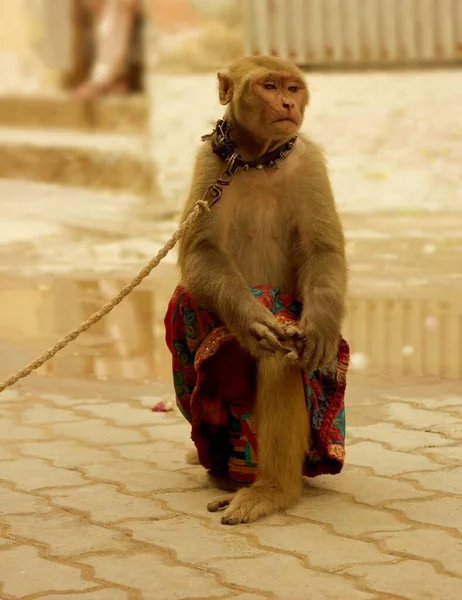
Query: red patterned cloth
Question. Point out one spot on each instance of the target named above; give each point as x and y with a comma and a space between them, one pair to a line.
224, 434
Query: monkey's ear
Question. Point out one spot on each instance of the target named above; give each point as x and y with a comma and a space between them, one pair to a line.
225, 88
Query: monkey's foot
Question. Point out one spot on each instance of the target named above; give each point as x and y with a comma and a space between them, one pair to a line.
250, 504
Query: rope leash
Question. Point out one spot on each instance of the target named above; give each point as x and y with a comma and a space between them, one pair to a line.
200, 206
221, 146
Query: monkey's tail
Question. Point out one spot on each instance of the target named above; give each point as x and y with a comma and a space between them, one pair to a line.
282, 424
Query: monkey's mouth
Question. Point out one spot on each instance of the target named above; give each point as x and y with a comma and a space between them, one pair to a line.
286, 120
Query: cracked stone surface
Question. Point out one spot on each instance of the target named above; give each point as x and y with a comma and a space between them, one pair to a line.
103, 518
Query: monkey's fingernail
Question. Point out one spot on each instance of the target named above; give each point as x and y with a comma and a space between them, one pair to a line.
291, 331
271, 343
266, 346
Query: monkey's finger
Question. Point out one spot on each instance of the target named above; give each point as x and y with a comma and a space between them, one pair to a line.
266, 345
278, 329
330, 352
291, 330
289, 346
309, 358
219, 503
299, 345
293, 358
263, 333
272, 341
318, 356
323, 355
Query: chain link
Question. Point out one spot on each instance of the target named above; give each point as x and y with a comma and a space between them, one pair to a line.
215, 191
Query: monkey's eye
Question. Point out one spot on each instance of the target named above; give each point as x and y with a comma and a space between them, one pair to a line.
293, 88
269, 86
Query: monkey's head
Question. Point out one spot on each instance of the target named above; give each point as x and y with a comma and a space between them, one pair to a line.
266, 96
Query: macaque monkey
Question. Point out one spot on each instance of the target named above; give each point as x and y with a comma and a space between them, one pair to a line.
277, 227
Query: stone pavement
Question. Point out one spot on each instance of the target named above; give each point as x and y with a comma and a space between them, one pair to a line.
97, 503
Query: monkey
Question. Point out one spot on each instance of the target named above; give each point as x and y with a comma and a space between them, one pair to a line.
275, 227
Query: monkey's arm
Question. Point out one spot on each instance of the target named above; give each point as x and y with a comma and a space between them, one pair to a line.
322, 277
211, 276
206, 270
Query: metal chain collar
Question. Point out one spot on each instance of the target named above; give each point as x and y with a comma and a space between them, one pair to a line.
224, 148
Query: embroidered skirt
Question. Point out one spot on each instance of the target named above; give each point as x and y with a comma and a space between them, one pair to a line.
224, 434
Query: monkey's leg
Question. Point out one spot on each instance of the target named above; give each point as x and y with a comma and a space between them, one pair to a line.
282, 432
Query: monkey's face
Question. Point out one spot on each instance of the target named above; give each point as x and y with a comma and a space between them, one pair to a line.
279, 101
272, 105
267, 97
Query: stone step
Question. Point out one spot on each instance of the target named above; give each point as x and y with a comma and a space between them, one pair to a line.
33, 206
60, 111
66, 157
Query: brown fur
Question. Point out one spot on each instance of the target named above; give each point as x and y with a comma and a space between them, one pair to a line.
275, 227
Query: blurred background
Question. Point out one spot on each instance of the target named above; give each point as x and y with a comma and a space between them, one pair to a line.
102, 103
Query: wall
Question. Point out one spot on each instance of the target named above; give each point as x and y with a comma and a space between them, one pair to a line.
22, 35
193, 35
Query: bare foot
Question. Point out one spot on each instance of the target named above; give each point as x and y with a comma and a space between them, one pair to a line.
91, 90
118, 87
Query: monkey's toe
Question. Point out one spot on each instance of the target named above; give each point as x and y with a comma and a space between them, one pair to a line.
230, 520
220, 502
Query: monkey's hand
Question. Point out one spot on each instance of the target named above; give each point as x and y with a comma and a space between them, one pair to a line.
262, 334
315, 346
